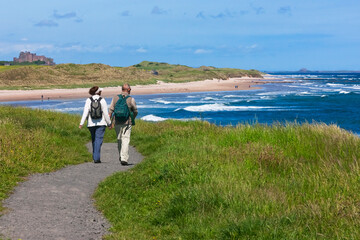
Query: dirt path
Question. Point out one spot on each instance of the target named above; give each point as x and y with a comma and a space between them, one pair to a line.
59, 205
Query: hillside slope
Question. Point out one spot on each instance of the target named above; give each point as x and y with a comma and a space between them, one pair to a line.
77, 75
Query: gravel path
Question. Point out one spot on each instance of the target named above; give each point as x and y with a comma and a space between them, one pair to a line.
59, 205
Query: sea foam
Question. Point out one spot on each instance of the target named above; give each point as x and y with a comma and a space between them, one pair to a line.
153, 118
221, 107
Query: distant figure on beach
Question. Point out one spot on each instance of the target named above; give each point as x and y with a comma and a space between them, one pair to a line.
123, 112
42, 98
96, 114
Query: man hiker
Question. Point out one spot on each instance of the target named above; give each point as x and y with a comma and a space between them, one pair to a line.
123, 111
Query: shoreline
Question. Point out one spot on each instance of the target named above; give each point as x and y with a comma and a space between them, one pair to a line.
214, 85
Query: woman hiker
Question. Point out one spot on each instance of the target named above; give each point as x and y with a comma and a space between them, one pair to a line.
96, 113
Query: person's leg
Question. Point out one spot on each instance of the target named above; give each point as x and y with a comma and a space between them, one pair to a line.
118, 130
125, 140
92, 132
99, 137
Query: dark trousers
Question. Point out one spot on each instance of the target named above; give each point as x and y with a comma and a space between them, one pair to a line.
97, 137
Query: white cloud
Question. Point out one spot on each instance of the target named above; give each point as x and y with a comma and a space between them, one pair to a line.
141, 50
249, 48
46, 23
18, 47
252, 46
158, 11
24, 39
202, 51
8, 48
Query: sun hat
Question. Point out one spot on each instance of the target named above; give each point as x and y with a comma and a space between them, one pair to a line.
98, 91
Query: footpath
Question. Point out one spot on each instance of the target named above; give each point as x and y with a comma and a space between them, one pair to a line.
59, 205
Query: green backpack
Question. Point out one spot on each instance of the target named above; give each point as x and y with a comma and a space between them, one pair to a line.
122, 111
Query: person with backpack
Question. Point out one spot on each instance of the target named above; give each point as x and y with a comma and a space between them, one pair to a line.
96, 114
123, 111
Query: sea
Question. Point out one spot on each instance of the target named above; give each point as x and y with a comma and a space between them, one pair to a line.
331, 98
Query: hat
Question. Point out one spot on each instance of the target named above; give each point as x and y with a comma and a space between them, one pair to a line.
98, 91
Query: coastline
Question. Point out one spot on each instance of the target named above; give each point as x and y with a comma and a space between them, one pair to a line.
231, 84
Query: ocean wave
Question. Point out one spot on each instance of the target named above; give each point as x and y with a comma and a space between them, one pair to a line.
276, 93
221, 107
174, 102
153, 118
303, 93
355, 87
151, 106
160, 101
232, 96
335, 84
209, 98
344, 92
78, 109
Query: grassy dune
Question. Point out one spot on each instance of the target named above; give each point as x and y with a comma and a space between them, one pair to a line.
34, 141
200, 181
77, 75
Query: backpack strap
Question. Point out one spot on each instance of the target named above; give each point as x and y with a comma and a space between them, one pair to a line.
93, 100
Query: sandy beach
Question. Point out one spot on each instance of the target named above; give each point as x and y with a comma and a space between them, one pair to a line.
232, 84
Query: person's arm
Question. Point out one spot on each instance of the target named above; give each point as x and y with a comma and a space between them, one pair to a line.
112, 105
85, 112
104, 108
134, 107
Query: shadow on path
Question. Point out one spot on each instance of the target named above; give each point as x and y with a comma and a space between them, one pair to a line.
59, 205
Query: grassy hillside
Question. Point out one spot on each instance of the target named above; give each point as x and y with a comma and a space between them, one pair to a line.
77, 75
34, 141
200, 181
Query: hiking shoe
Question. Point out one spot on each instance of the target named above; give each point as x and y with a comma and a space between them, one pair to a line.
124, 163
98, 161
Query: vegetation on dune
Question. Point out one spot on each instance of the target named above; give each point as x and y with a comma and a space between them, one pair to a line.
35, 141
77, 75
201, 181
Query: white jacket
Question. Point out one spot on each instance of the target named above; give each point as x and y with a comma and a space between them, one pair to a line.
104, 121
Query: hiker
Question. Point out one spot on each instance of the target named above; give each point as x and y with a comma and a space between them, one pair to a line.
123, 111
96, 113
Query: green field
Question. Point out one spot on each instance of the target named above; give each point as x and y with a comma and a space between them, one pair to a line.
200, 181
87, 75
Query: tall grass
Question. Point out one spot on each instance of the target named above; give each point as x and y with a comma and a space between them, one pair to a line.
200, 181
35, 141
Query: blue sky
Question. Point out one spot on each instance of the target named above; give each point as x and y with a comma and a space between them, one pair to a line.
248, 34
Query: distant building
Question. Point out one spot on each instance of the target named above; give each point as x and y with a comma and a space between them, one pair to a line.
32, 57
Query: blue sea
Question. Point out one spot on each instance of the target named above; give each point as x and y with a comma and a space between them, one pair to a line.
332, 98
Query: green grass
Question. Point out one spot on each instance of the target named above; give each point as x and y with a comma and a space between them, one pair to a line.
200, 181
34, 141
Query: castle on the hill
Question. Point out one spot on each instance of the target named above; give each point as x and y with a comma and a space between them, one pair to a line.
32, 57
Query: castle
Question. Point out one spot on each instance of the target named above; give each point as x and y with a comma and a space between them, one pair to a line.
32, 57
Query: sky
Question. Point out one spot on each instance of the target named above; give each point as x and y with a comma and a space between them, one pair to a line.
266, 35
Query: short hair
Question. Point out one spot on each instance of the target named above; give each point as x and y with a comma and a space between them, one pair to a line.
125, 86
93, 90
